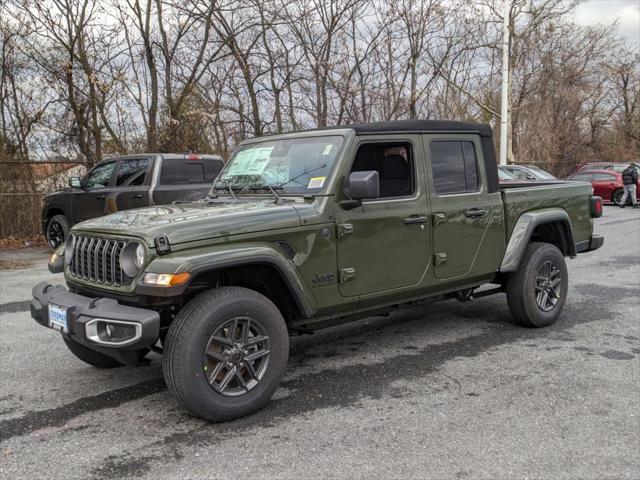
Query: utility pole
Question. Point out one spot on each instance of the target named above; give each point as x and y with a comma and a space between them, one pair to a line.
504, 108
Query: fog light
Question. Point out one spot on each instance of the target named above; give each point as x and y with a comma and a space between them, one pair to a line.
113, 332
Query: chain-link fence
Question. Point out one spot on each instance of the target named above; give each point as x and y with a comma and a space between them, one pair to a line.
23, 185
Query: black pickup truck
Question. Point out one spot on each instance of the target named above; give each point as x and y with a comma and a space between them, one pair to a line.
126, 182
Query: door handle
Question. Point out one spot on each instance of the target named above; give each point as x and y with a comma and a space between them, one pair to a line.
475, 213
138, 195
415, 219
101, 197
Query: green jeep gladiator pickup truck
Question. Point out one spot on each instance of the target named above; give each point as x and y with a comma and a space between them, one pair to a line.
305, 230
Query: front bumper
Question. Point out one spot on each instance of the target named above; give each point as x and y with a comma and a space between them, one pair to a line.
594, 243
83, 313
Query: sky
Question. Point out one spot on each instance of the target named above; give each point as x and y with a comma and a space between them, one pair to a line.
627, 12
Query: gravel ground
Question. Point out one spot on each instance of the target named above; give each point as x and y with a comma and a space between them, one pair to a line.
448, 390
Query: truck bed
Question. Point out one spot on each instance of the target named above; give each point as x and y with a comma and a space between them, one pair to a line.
571, 196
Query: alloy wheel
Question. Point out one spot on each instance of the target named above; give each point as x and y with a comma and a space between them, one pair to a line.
55, 234
548, 286
237, 356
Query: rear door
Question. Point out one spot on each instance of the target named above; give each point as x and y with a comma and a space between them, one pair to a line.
131, 189
461, 205
187, 178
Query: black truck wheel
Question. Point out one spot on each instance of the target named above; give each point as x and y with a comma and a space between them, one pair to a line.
225, 353
57, 231
537, 291
90, 356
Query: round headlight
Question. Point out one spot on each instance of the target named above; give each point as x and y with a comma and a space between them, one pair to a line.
139, 258
68, 249
132, 258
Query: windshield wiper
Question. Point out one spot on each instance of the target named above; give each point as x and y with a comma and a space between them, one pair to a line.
226, 186
306, 172
271, 188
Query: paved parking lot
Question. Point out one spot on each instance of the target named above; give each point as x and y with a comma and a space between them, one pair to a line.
450, 390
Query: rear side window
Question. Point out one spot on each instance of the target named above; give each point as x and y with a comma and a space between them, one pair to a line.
212, 168
604, 177
132, 172
454, 167
180, 171
582, 177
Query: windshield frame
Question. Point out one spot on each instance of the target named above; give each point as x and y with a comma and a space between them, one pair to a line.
219, 188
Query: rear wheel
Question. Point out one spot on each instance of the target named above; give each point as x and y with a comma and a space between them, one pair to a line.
537, 291
616, 196
57, 231
225, 353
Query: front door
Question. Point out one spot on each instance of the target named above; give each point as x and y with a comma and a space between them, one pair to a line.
461, 206
98, 186
384, 244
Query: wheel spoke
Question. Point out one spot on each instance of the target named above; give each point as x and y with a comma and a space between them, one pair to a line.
222, 341
241, 380
214, 374
251, 370
216, 356
545, 298
256, 355
257, 339
246, 325
227, 378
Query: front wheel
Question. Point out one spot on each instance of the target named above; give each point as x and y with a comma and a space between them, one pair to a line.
57, 231
537, 291
225, 353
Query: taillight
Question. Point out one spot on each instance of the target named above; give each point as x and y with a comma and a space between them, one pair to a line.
193, 156
596, 207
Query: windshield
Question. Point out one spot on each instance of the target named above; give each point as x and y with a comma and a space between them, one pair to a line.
504, 175
297, 165
542, 173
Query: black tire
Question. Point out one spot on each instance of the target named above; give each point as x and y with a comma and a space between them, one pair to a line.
616, 196
89, 356
57, 231
190, 336
526, 287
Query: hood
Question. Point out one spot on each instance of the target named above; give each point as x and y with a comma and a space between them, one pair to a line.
196, 221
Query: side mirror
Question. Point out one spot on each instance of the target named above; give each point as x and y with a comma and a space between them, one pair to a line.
75, 182
361, 186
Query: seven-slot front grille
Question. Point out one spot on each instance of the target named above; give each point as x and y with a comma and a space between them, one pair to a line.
98, 260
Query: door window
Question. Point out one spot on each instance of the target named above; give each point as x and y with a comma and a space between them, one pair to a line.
132, 172
582, 177
394, 164
454, 167
604, 177
100, 176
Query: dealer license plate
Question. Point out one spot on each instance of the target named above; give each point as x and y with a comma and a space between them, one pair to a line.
58, 318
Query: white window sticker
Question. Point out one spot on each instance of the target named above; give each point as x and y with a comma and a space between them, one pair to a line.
316, 182
250, 162
327, 149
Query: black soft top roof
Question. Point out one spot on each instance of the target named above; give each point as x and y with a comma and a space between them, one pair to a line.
421, 126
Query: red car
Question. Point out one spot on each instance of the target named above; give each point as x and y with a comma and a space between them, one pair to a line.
606, 184
615, 166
